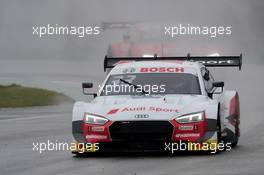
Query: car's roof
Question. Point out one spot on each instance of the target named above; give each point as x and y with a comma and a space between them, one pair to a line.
156, 64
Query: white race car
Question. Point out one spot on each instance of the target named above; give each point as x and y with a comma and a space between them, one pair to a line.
152, 102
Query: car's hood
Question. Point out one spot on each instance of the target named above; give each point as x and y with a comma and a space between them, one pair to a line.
165, 107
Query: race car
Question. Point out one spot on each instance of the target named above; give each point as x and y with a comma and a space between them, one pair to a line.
139, 39
149, 102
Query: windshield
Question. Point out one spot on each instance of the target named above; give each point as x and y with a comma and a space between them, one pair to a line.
151, 83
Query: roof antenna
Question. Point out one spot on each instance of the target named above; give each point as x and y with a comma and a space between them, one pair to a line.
155, 56
188, 56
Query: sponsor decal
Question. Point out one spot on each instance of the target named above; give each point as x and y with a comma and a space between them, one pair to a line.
162, 69
157, 109
122, 62
97, 129
217, 62
96, 136
143, 108
186, 127
112, 111
128, 109
188, 135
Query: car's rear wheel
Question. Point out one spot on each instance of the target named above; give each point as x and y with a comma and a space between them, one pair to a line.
237, 120
234, 144
219, 129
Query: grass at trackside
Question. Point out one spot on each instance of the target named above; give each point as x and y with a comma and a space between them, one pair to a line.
19, 96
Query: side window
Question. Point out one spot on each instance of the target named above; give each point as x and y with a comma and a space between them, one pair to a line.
208, 79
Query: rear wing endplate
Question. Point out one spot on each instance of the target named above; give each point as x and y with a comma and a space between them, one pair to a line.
208, 61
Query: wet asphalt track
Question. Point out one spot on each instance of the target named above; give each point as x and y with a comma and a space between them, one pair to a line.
19, 128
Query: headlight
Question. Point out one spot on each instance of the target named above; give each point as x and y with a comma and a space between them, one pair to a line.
190, 118
94, 119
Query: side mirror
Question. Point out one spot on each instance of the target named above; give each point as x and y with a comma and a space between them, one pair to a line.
218, 87
86, 86
219, 84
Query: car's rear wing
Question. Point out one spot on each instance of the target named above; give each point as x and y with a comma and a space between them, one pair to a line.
208, 61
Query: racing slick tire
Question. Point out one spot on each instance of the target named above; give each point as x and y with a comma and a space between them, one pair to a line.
234, 144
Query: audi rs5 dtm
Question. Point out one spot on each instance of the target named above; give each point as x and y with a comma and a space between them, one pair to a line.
181, 104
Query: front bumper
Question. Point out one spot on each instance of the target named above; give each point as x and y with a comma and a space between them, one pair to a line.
147, 135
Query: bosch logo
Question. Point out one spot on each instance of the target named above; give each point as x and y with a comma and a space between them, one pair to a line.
142, 116
162, 69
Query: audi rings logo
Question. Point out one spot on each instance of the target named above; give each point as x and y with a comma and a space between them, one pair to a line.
142, 116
